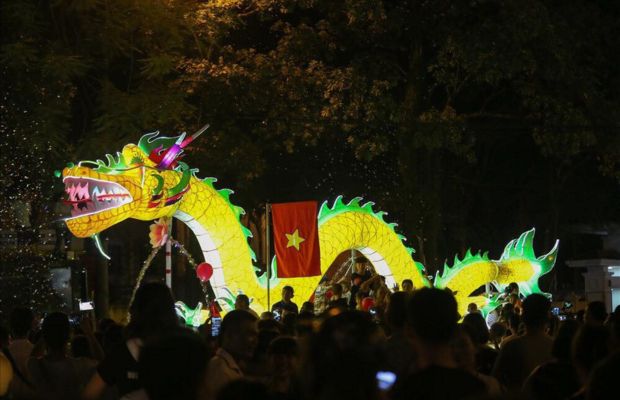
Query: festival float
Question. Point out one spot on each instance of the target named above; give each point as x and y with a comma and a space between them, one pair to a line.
148, 181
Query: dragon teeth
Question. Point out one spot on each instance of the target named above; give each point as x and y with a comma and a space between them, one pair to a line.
88, 196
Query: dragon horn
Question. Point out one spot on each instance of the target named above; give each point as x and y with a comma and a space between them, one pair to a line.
190, 139
175, 150
547, 261
525, 243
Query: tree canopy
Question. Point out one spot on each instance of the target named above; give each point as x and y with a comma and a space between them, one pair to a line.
468, 120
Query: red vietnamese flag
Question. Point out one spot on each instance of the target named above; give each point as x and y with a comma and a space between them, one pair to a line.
296, 239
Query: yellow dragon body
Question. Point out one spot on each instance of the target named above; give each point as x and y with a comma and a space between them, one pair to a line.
147, 181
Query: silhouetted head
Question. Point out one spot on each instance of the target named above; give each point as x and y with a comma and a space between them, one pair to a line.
283, 355
242, 302
262, 344
433, 315
112, 336
477, 328
562, 343
266, 316
270, 325
239, 334
287, 293
463, 349
535, 311
337, 290
407, 285
596, 313
361, 265
307, 308
513, 288
396, 315
152, 311
56, 331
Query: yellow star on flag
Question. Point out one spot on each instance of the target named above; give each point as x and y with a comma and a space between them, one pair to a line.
294, 240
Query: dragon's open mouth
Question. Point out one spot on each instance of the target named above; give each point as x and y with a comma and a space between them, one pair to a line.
89, 196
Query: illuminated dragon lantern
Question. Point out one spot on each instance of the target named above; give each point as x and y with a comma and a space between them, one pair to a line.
148, 181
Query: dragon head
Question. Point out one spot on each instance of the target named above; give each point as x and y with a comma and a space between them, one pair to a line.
144, 181
520, 264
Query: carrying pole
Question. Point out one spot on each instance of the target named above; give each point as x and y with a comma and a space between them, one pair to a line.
267, 253
168, 264
169, 256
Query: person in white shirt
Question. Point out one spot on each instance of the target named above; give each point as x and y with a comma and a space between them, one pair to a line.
18, 352
56, 375
238, 339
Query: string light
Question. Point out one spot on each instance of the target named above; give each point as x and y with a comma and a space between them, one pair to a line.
149, 260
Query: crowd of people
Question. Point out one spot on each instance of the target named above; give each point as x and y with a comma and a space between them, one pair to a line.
357, 340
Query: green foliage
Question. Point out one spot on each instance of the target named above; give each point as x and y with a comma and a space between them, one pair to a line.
431, 91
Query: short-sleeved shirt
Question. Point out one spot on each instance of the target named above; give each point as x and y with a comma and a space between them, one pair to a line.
60, 379
221, 370
290, 307
520, 356
20, 350
120, 367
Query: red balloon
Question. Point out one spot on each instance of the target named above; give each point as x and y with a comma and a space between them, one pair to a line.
367, 303
204, 271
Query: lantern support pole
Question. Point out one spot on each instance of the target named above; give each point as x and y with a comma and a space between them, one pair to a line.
267, 252
168, 264
169, 256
